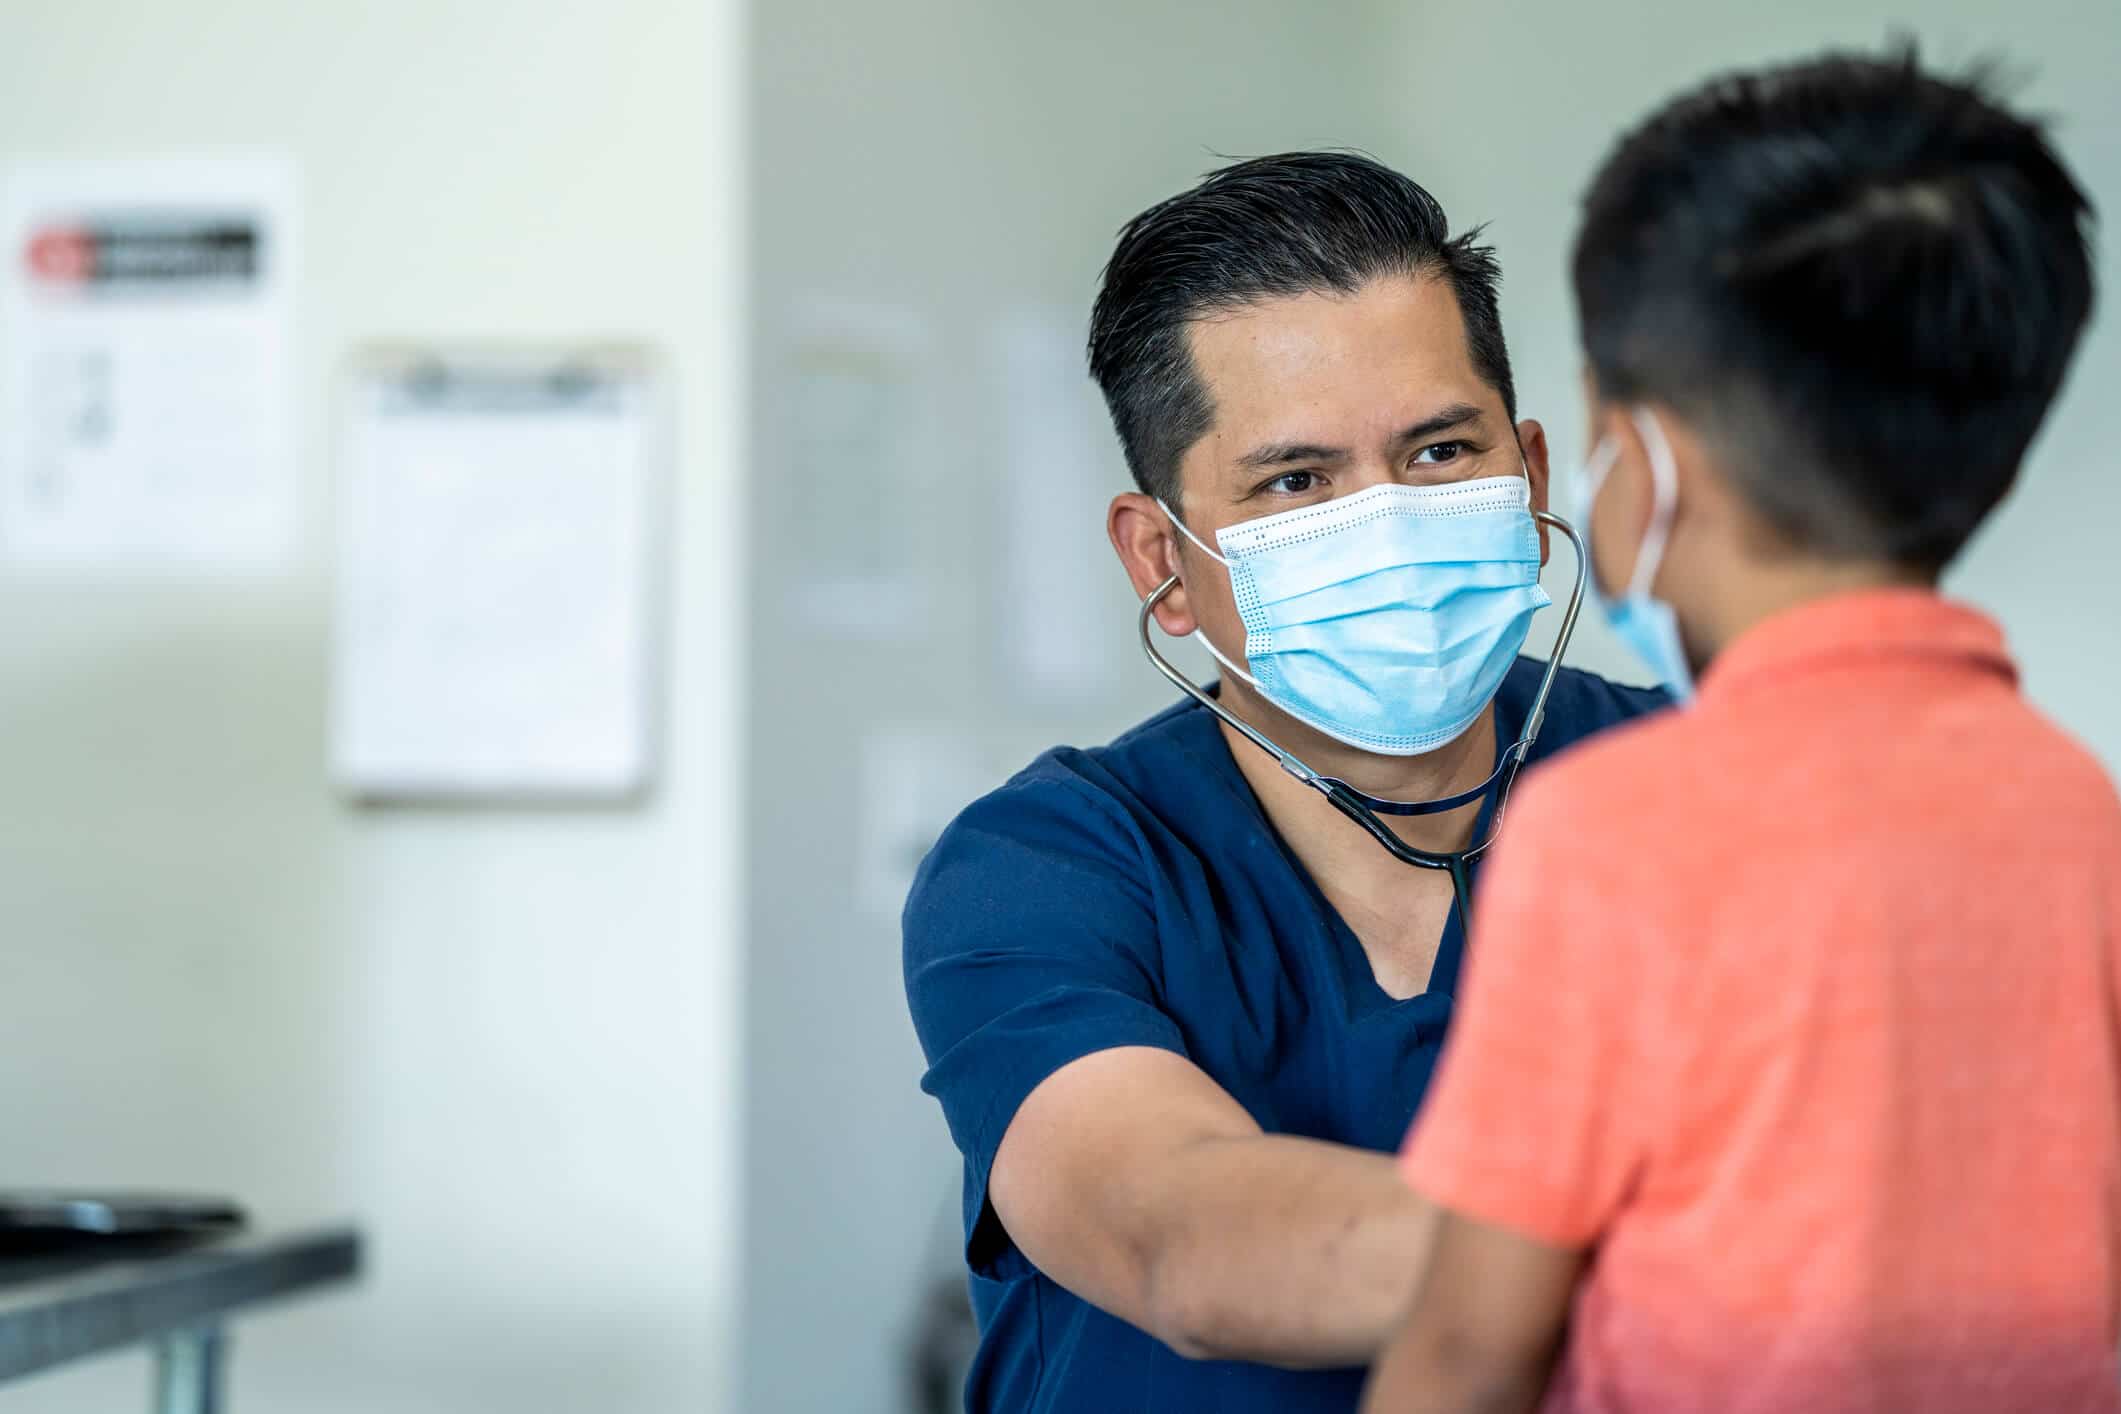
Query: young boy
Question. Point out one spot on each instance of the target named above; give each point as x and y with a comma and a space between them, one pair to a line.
1788, 1075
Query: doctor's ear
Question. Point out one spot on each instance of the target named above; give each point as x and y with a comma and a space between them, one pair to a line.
1148, 549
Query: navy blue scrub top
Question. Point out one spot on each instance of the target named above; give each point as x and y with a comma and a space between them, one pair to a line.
1135, 895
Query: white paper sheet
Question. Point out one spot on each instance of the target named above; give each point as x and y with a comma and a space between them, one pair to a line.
497, 583
852, 385
145, 418
1060, 468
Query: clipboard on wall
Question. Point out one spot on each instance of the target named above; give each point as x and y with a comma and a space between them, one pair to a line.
498, 581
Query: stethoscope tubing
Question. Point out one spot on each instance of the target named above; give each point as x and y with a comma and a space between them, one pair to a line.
1366, 810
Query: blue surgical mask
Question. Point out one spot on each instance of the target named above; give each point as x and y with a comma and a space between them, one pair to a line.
1388, 618
1644, 622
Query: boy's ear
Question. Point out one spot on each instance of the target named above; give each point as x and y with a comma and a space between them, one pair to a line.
1609, 419
1610, 422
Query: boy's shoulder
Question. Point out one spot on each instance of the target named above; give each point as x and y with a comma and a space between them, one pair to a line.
1634, 774
1628, 745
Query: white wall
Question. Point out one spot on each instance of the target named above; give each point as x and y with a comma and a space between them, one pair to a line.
1506, 108
504, 1040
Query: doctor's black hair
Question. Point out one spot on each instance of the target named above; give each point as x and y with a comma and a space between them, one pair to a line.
1860, 282
1292, 224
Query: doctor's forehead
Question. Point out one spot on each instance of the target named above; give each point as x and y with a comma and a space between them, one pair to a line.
1334, 370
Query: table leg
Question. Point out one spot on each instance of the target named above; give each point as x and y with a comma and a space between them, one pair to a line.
188, 1371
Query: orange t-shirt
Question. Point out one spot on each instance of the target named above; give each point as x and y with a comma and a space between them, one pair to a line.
1802, 1007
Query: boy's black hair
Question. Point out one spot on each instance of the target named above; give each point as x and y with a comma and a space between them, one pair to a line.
1861, 281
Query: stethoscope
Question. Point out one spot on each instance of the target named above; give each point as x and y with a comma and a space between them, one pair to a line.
1364, 809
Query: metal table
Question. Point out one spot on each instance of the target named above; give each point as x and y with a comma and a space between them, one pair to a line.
56, 1309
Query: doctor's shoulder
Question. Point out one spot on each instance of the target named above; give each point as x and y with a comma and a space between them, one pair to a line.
1068, 822
1093, 832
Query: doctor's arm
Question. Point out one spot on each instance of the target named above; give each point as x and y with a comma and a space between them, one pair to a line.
1132, 1179
1485, 1327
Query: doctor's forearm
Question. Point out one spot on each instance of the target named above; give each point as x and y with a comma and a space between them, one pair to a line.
1291, 1252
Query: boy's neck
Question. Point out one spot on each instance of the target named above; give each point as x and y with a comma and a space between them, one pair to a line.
1741, 599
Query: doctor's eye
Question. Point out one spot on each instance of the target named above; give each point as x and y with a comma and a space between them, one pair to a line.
1441, 453
1294, 483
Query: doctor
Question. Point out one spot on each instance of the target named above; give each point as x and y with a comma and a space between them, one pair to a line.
1177, 1008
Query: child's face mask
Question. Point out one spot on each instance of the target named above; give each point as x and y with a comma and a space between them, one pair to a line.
1644, 622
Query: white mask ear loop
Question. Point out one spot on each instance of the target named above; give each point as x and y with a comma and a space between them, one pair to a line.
1198, 635
1594, 474
1664, 481
1181, 526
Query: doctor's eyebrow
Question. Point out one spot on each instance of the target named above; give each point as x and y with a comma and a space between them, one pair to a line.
1277, 453
1444, 419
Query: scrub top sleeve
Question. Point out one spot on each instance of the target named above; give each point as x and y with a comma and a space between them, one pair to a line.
1028, 939
1533, 1123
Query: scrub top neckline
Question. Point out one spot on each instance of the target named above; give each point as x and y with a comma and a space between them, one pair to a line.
1361, 992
